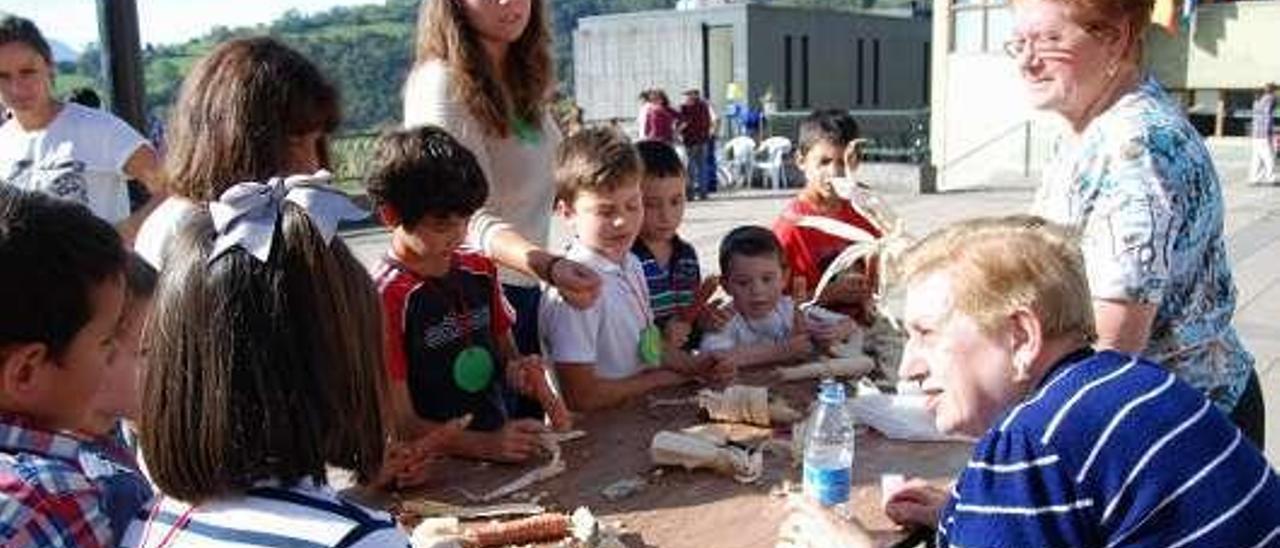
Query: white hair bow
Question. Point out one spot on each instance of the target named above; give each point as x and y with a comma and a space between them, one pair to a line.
246, 214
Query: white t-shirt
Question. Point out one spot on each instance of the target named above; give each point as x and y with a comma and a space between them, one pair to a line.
159, 227
519, 172
79, 156
304, 515
609, 340
740, 331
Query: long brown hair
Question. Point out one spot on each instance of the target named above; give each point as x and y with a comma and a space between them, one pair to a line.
236, 112
262, 370
521, 92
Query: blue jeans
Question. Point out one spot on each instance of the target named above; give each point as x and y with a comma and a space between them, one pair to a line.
697, 169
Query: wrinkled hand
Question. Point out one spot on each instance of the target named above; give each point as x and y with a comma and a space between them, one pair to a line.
916, 503
578, 284
810, 526
518, 441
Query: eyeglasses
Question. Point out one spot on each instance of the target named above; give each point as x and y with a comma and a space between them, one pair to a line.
1049, 43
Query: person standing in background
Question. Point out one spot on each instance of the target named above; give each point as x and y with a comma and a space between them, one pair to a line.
484, 73
1135, 178
65, 149
695, 132
1263, 166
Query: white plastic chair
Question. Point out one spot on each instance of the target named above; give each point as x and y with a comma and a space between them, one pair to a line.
776, 150
740, 155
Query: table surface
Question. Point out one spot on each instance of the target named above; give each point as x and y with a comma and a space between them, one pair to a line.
679, 508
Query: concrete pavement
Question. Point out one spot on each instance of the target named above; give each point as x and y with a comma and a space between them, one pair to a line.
1252, 225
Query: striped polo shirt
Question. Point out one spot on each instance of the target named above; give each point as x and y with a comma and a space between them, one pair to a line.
672, 288
1113, 450
307, 515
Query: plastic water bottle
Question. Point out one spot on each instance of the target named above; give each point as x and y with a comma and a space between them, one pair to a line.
828, 448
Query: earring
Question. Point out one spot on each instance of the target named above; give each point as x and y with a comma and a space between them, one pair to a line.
1112, 69
1021, 369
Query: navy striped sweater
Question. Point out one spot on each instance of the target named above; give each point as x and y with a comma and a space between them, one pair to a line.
1114, 451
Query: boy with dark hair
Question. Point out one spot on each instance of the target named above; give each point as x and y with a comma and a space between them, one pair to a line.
828, 140
604, 359
450, 352
766, 327
670, 264
62, 287
110, 459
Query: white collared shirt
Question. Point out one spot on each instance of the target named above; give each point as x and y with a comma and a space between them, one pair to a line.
606, 334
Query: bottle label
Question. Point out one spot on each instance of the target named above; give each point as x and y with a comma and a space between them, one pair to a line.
828, 486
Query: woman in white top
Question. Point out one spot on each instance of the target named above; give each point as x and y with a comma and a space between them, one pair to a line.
251, 110
484, 73
64, 149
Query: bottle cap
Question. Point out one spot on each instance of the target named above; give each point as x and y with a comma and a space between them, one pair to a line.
831, 392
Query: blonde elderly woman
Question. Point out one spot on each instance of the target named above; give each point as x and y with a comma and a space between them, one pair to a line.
1136, 179
1076, 447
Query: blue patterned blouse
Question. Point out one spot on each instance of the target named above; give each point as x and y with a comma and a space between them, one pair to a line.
1141, 187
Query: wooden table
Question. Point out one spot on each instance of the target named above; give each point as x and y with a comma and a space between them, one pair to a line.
679, 508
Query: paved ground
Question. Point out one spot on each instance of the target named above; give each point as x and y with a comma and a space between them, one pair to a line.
1252, 222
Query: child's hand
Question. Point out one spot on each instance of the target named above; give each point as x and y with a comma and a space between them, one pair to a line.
677, 332
518, 441
829, 333
410, 463
527, 375
800, 342
715, 315
578, 284
717, 368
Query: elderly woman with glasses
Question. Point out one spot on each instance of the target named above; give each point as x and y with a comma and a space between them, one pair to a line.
1076, 447
1134, 177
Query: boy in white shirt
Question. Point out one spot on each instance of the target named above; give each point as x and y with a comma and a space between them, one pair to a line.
766, 327
603, 358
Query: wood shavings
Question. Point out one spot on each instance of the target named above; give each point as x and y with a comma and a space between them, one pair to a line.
855, 366
692, 452
551, 442
745, 404
429, 509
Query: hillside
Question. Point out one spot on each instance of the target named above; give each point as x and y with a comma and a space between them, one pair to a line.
366, 50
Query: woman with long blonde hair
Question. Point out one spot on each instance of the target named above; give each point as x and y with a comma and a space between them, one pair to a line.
484, 73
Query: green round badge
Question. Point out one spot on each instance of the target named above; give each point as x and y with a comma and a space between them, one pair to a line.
651, 345
473, 369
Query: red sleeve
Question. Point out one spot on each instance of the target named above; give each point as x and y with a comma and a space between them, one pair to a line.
395, 294
503, 317
799, 260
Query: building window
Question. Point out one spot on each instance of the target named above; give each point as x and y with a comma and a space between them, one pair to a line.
928, 72
875, 72
786, 72
860, 71
804, 71
980, 26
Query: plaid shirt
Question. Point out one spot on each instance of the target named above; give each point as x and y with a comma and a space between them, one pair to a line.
45, 497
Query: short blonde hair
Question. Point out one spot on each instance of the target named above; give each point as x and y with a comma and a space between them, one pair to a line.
999, 264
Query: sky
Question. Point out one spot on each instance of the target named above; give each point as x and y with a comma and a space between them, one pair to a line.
75, 22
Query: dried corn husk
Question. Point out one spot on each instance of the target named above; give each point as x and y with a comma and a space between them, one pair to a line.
855, 366
744, 404
692, 452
